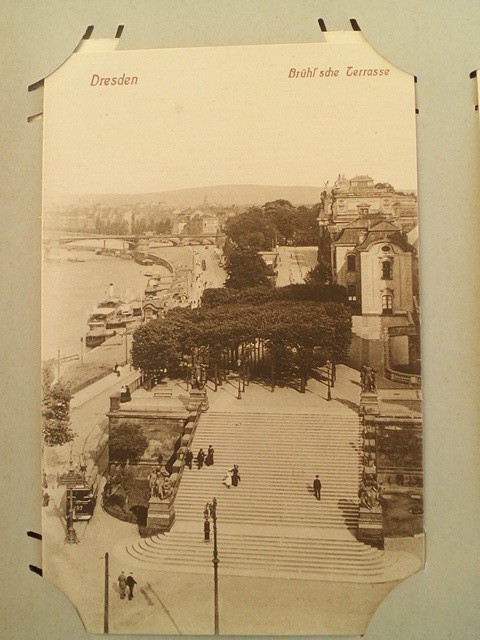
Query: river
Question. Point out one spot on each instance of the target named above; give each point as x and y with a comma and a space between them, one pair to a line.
71, 290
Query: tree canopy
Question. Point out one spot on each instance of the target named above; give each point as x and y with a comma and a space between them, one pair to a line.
55, 410
294, 334
321, 274
126, 443
245, 268
314, 292
261, 228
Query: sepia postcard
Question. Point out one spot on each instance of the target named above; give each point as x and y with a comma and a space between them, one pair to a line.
232, 421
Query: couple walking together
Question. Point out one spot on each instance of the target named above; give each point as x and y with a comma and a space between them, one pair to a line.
202, 458
124, 582
232, 477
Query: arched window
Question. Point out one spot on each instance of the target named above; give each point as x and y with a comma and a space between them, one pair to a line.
387, 269
352, 292
351, 262
387, 304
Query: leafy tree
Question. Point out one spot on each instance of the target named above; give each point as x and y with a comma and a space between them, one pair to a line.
245, 268
155, 348
290, 329
126, 443
260, 228
259, 295
55, 410
249, 295
320, 274
251, 229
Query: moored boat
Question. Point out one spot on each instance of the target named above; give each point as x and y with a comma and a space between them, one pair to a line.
97, 336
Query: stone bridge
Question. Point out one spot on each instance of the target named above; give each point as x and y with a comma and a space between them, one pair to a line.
135, 241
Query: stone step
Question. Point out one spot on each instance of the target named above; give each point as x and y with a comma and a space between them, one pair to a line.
245, 417
299, 519
261, 554
237, 567
278, 455
228, 548
256, 547
251, 469
286, 432
272, 539
248, 559
394, 569
310, 505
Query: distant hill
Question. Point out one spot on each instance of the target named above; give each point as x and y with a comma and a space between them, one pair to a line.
240, 194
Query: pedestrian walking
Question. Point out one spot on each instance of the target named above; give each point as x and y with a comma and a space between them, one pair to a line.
235, 476
209, 458
227, 481
189, 458
131, 582
200, 458
317, 487
122, 584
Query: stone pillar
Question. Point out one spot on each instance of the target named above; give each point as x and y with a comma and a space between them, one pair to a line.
115, 402
369, 404
370, 526
198, 399
161, 515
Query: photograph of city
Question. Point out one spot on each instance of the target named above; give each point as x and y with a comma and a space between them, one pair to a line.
231, 366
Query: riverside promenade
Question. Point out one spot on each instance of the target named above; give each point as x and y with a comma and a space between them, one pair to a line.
181, 602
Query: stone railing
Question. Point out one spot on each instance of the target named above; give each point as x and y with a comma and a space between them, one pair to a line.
412, 379
370, 521
161, 511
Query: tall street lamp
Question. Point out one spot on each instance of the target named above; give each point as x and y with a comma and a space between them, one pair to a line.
211, 511
329, 380
71, 535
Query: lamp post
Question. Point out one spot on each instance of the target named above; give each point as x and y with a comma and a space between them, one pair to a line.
210, 511
126, 345
71, 535
105, 596
329, 380
239, 390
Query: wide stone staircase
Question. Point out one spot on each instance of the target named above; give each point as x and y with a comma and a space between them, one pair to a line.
271, 525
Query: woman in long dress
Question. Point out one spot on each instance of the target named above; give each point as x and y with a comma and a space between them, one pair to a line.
227, 481
209, 458
235, 475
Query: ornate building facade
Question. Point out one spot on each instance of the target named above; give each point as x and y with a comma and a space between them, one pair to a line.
361, 197
363, 236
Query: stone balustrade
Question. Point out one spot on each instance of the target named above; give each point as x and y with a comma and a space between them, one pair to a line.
161, 511
370, 521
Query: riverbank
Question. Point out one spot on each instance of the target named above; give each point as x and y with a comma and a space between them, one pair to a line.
98, 362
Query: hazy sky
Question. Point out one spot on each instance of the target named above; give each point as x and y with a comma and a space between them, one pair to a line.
226, 115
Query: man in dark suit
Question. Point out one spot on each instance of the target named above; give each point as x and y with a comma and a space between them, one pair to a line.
131, 582
317, 487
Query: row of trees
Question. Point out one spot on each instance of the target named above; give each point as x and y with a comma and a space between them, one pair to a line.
261, 228
313, 292
279, 338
